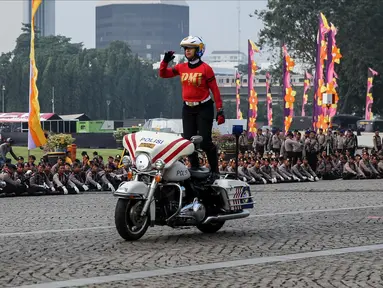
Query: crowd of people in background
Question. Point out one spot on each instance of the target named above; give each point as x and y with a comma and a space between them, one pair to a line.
274, 158
271, 158
32, 178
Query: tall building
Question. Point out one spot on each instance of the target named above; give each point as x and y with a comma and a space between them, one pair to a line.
149, 27
45, 19
11, 20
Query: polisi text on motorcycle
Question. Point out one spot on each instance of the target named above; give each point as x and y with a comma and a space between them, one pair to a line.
178, 172
184, 172
152, 140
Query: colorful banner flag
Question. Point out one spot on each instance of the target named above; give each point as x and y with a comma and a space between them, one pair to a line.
369, 98
237, 93
36, 137
333, 56
306, 88
289, 99
253, 96
319, 87
269, 101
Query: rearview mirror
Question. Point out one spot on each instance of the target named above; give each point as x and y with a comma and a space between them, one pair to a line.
126, 161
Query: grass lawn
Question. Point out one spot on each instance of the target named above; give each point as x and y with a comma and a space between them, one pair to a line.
23, 151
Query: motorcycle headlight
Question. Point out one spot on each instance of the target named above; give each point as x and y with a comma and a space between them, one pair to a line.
143, 162
159, 164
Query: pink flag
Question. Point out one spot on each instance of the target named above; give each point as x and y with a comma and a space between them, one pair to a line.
306, 87
333, 56
317, 119
237, 94
374, 73
269, 101
252, 94
369, 98
288, 92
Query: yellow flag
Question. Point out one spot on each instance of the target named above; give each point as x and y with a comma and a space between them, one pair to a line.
36, 137
253, 46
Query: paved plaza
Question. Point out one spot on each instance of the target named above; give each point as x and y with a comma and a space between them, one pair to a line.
323, 234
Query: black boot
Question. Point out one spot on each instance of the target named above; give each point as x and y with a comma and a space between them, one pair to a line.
213, 176
194, 161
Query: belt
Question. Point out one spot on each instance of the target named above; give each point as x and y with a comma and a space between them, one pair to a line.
192, 104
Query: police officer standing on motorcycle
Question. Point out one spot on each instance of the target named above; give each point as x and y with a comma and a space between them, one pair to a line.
197, 80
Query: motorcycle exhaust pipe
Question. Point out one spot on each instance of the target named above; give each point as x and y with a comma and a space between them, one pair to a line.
220, 218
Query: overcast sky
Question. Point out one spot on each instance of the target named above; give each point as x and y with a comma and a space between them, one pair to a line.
215, 21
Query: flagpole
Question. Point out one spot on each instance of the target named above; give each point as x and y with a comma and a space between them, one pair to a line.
36, 137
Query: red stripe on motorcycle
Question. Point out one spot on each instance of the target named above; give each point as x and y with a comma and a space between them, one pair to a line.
134, 141
131, 151
163, 152
126, 141
177, 151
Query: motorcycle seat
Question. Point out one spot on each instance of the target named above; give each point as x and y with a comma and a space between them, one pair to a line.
199, 173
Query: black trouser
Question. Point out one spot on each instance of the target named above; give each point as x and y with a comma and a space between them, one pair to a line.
36, 190
276, 150
330, 176
243, 148
312, 159
70, 190
10, 188
260, 150
349, 176
114, 181
290, 155
296, 156
198, 120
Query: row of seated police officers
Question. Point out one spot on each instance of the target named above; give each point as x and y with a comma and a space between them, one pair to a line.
62, 178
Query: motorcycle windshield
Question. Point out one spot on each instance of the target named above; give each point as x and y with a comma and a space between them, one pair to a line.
163, 125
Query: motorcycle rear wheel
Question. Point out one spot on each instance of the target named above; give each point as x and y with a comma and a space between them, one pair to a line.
210, 228
128, 220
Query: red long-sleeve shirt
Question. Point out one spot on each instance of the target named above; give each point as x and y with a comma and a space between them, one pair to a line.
196, 82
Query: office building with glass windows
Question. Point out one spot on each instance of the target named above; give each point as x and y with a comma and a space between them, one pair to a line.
45, 16
149, 27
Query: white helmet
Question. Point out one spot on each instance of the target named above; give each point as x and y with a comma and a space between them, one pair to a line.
194, 42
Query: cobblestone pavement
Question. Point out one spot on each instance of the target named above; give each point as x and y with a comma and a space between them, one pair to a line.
353, 270
330, 186
48, 239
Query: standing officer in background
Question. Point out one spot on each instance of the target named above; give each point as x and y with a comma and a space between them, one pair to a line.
197, 79
6, 148
243, 142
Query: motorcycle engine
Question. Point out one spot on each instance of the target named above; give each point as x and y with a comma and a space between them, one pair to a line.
170, 198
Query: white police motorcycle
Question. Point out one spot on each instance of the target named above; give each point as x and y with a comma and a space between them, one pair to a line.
163, 191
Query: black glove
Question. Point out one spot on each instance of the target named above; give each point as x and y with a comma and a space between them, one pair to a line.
169, 56
220, 117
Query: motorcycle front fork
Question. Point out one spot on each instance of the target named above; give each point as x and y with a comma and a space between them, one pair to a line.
150, 203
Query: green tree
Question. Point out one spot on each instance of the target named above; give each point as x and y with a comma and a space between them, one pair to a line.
85, 79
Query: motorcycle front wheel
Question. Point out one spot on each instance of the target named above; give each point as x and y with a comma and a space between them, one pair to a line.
129, 223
